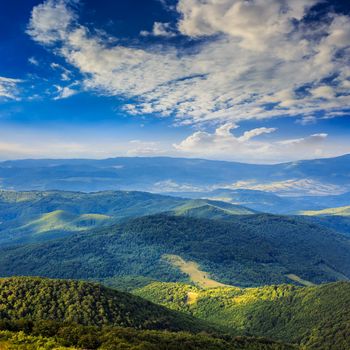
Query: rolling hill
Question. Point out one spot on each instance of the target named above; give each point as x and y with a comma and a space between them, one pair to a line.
85, 303
312, 317
247, 250
35, 216
41, 313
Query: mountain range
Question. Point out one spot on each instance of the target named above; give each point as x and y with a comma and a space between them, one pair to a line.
163, 174
226, 256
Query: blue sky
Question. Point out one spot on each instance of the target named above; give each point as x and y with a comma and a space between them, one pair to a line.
255, 81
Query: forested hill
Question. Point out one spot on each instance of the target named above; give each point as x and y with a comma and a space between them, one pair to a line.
316, 317
87, 304
47, 314
245, 251
36, 216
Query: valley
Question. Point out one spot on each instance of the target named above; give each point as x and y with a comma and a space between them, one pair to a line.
213, 270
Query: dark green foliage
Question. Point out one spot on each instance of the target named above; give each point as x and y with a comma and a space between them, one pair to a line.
85, 303
340, 224
316, 317
112, 338
126, 283
245, 250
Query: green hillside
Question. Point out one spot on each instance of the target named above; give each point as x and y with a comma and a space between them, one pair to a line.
85, 303
339, 211
60, 220
210, 209
315, 317
41, 313
245, 251
36, 216
54, 336
340, 224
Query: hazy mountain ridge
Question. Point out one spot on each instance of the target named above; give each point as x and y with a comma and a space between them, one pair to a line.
162, 174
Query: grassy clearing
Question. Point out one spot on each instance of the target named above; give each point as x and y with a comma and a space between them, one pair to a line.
191, 268
301, 281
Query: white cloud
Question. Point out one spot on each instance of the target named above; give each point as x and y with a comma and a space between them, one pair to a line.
256, 24
160, 29
222, 144
64, 92
260, 53
50, 21
8, 87
323, 91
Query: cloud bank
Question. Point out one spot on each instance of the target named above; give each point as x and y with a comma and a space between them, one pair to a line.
223, 144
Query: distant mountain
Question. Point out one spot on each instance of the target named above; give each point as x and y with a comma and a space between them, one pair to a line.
270, 202
35, 216
162, 174
247, 250
312, 317
339, 211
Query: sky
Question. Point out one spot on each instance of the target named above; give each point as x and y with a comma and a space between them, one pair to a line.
257, 81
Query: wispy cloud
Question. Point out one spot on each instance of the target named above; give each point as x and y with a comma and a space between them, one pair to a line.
260, 61
8, 88
64, 92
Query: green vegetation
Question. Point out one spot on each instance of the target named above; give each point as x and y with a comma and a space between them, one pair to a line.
51, 335
22, 341
125, 283
36, 216
246, 251
201, 208
339, 224
38, 313
85, 303
315, 317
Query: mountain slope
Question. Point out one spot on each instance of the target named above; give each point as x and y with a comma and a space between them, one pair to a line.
73, 337
314, 317
245, 250
85, 303
35, 216
339, 211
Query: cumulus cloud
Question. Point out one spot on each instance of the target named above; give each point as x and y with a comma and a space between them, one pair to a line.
8, 87
261, 60
50, 21
223, 144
